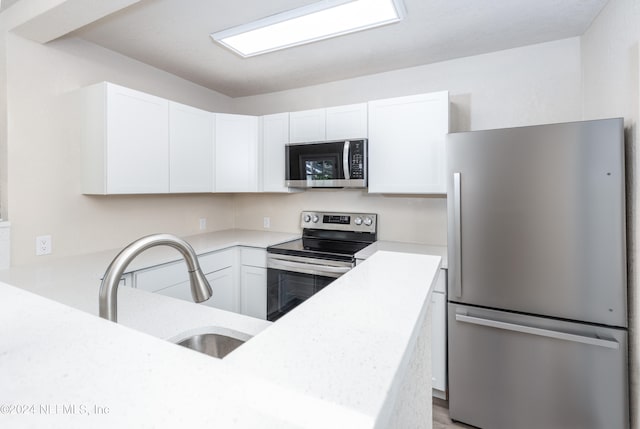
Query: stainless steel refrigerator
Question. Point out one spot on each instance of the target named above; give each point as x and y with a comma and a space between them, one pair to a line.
537, 295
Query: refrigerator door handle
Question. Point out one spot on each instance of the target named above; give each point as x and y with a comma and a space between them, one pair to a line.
457, 235
611, 344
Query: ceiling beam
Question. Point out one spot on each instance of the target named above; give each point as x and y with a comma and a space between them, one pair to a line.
67, 16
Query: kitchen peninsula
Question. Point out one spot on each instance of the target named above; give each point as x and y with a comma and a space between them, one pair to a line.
354, 355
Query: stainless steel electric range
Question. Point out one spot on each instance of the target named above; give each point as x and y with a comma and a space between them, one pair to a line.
297, 269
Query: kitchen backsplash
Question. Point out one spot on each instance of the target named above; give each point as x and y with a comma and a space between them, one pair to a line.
419, 219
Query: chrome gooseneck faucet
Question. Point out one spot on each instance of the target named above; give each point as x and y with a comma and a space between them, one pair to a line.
200, 288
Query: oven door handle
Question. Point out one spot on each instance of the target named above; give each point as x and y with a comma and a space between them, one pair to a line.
302, 267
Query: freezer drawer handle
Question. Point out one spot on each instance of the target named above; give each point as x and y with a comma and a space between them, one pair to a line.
537, 331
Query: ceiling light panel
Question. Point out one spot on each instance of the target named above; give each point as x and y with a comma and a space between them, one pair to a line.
318, 21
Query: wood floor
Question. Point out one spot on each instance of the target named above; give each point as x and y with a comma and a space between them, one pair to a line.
441, 418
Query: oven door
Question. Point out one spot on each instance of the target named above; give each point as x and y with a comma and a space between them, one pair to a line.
293, 279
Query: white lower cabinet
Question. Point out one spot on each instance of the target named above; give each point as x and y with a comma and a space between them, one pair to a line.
180, 291
253, 290
239, 284
225, 292
253, 282
439, 336
172, 279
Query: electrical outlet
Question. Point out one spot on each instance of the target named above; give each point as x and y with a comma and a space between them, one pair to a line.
203, 223
43, 245
266, 222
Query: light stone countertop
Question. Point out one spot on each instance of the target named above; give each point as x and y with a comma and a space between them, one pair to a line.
399, 246
75, 281
334, 361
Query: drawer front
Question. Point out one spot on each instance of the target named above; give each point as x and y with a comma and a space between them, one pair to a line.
216, 261
508, 370
253, 256
160, 277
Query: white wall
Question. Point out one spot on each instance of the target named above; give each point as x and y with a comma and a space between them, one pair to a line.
610, 78
402, 218
44, 153
524, 86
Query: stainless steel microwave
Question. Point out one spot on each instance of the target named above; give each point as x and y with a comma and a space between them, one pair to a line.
334, 164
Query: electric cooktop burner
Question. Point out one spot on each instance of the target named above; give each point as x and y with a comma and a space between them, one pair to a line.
337, 236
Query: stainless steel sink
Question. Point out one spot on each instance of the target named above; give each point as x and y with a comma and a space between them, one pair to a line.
216, 345
213, 341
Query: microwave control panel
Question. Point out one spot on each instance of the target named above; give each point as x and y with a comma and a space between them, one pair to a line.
357, 158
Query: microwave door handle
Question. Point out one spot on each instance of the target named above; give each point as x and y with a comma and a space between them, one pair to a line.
345, 161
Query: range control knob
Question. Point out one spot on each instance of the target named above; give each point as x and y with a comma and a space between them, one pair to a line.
315, 218
358, 221
368, 221
307, 218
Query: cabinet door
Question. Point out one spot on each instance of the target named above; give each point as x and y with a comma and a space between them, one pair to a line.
438, 341
236, 153
190, 149
224, 288
253, 291
160, 277
216, 261
406, 144
307, 126
137, 145
180, 291
275, 135
347, 122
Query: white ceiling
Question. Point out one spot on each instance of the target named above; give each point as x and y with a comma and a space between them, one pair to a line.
173, 35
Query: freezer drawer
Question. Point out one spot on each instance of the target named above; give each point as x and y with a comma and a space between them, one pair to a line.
508, 370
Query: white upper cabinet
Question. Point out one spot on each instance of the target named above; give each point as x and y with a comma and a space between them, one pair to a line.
125, 141
136, 143
275, 135
236, 153
190, 149
307, 126
333, 123
347, 122
407, 144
